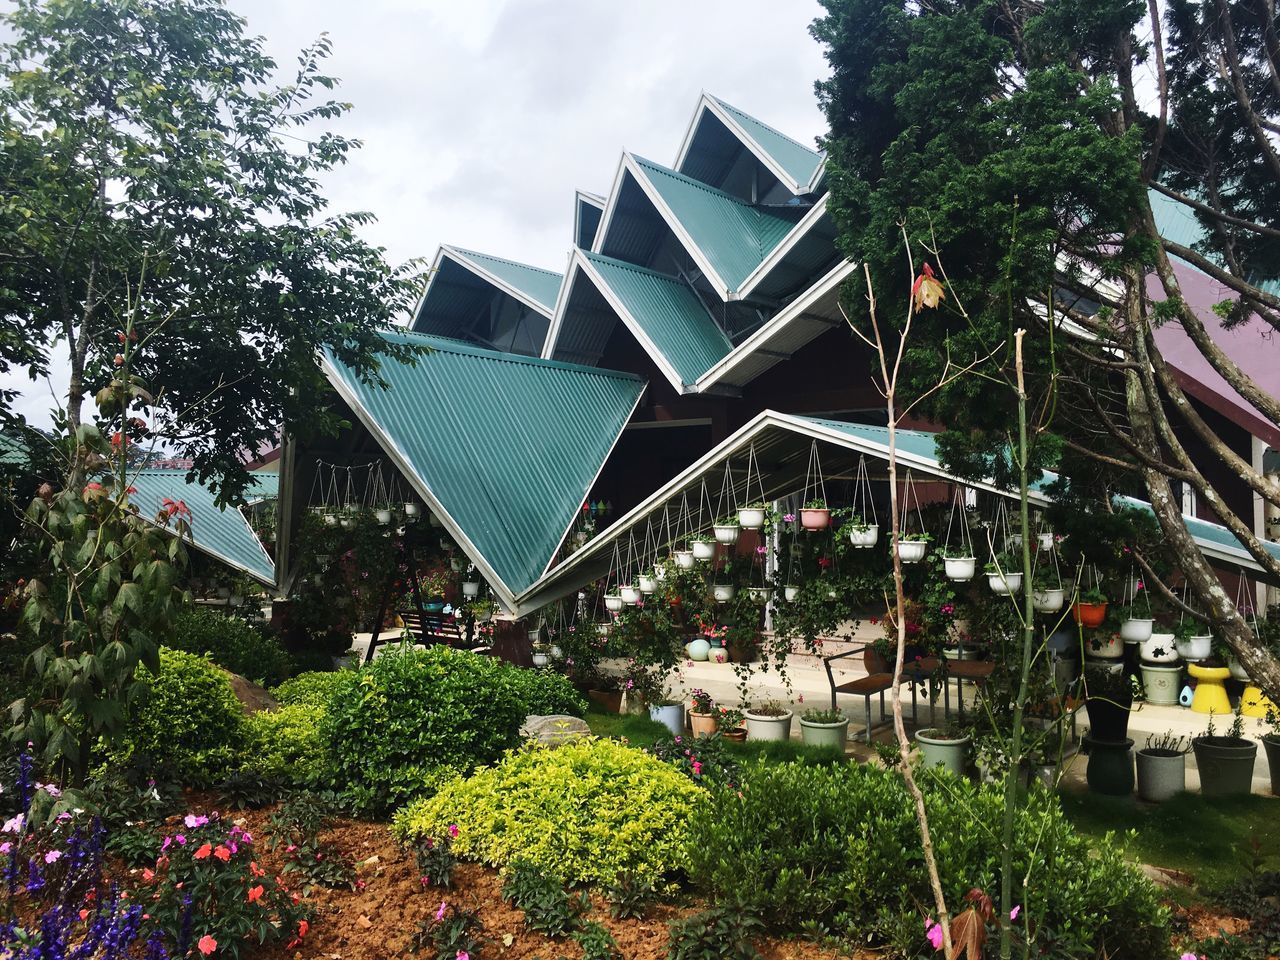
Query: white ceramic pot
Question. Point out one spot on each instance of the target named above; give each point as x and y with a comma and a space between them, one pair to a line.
471, 588
660, 572
411, 509
630, 594
751, 518
1160, 685
862, 539
761, 594
612, 602
383, 514
684, 559
1048, 600
1237, 670
722, 592
330, 520
455, 564
1004, 583
540, 659
704, 549
1136, 630
647, 583
727, 533
1105, 647
912, 551
556, 652
1158, 648
1195, 648
960, 568
791, 591
768, 728
1045, 540
670, 715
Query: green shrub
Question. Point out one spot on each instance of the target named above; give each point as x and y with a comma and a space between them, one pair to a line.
314, 689
720, 933
838, 845
588, 811
230, 642
188, 724
285, 743
395, 724
544, 692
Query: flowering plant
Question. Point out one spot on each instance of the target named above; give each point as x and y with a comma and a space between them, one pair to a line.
702, 702
729, 719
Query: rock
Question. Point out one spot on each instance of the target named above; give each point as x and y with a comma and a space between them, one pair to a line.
554, 728
251, 696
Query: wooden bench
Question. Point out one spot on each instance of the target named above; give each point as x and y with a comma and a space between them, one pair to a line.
439, 628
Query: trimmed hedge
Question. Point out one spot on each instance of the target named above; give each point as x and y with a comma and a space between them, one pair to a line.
314, 689
543, 692
586, 811
286, 743
230, 642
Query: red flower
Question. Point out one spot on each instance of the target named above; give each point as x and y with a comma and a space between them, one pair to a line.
255, 893
256, 870
203, 852
117, 439
148, 874
206, 945
222, 853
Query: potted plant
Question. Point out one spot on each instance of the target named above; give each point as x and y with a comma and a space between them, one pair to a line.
1047, 595
769, 721
862, 535
729, 723
945, 747
1001, 575
815, 514
541, 654
761, 594
613, 600
1045, 540
1162, 767
703, 547
684, 559
1193, 642
1136, 623
1105, 645
1090, 608
1108, 700
824, 728
629, 593
958, 564
1271, 743
668, 712
791, 591
647, 581
1225, 761
471, 583
1158, 648
722, 592
911, 547
606, 692
702, 713
411, 509
752, 516
482, 609
726, 530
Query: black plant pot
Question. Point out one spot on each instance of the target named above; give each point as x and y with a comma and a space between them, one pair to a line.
1225, 765
1110, 768
1271, 743
1108, 719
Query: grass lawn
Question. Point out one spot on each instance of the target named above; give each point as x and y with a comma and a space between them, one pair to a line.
640, 731
1210, 839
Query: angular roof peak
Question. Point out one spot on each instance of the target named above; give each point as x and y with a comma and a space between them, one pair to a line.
536, 283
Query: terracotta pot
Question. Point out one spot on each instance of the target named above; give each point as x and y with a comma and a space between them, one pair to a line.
703, 724
1089, 614
610, 700
815, 518
737, 735
874, 661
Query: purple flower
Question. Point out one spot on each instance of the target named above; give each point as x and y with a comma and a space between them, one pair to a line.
453, 830
14, 824
789, 518
181, 840
192, 821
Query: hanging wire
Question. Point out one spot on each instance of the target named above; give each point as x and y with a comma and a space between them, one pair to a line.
727, 496
752, 462
813, 477
863, 501
966, 539
909, 495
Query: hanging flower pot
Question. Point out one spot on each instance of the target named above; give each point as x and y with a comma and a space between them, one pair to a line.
648, 583
815, 515
791, 591
541, 658
863, 535
471, 588
330, 519
727, 531
912, 551
660, 572
613, 602
703, 549
347, 522
960, 568
722, 592
1045, 541
455, 564
1136, 630
411, 509
752, 517
630, 594
384, 515
1048, 599
1089, 614
684, 559
1196, 647
761, 594
1004, 583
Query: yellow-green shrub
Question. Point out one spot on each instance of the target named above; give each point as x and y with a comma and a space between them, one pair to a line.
286, 742
314, 688
585, 811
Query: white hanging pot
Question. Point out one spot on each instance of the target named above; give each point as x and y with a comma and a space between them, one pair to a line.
540, 659
1004, 583
960, 568
648, 584
347, 523
630, 594
912, 551
684, 559
727, 533
556, 652
330, 520
1048, 599
1158, 648
1136, 630
471, 588
722, 592
612, 602
864, 539
411, 509
791, 591
751, 518
1198, 647
1045, 540
383, 514
704, 549
761, 594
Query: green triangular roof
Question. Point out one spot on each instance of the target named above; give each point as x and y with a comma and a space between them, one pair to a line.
735, 236
795, 158
507, 445
536, 283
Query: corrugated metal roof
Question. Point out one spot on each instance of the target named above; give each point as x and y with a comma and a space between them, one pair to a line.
1177, 222
223, 534
734, 236
539, 284
13, 450
799, 161
668, 312
508, 446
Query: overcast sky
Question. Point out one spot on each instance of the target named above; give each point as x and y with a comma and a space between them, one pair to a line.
481, 117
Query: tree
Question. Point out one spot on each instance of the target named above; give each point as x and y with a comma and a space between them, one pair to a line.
954, 120
152, 165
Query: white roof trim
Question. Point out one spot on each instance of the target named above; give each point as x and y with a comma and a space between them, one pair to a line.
580, 197
797, 233
401, 460
461, 259
435, 272
709, 104
782, 318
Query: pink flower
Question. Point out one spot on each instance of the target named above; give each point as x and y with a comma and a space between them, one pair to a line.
760, 550
192, 821
440, 913
1013, 914
789, 518
206, 945
14, 824
463, 955
6, 847
53, 856
933, 931
697, 768
453, 830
